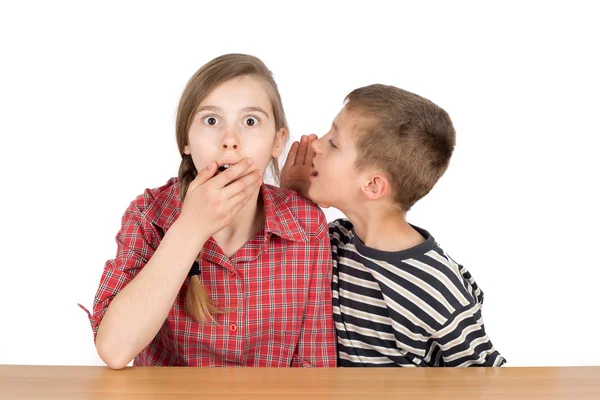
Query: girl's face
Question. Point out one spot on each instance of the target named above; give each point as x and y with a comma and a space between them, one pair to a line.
235, 121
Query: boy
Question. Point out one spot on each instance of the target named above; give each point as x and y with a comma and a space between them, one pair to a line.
398, 298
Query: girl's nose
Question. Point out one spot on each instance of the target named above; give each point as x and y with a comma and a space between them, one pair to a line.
230, 141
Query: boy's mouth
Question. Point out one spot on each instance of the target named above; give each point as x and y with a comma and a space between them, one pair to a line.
313, 175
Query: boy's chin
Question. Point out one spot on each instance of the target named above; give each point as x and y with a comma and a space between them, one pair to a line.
315, 197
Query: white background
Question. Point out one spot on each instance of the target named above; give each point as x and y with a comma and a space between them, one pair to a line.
88, 95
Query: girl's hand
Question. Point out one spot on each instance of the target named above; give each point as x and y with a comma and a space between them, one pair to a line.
212, 201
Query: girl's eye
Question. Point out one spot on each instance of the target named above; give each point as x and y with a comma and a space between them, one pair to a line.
211, 120
251, 121
332, 145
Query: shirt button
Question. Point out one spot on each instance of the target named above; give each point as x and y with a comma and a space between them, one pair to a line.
233, 327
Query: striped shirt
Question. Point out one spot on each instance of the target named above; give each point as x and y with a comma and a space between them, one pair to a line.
415, 307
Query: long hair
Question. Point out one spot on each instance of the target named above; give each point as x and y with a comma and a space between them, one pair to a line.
200, 85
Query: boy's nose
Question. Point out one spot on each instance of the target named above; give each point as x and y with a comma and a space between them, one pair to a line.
316, 145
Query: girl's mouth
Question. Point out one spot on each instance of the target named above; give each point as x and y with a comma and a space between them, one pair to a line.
222, 168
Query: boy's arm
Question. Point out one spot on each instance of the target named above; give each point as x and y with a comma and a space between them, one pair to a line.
298, 166
463, 342
317, 342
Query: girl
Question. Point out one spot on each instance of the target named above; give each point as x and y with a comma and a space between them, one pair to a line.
216, 268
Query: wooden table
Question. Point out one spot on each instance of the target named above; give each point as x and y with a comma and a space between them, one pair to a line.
64, 383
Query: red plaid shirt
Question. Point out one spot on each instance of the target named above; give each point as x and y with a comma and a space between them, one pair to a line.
278, 286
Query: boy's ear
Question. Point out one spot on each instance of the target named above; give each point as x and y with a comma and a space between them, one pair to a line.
279, 142
376, 187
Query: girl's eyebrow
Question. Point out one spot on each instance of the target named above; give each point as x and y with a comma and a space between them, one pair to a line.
208, 108
245, 109
256, 109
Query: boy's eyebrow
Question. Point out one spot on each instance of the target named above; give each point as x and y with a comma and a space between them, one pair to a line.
245, 109
337, 132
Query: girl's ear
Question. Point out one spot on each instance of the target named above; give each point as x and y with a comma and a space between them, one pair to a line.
279, 142
186, 149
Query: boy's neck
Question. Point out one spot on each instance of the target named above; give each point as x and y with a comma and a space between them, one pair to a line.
384, 228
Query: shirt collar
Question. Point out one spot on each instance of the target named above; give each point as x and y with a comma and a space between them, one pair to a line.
279, 218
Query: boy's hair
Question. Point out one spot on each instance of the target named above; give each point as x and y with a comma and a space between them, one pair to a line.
200, 85
406, 135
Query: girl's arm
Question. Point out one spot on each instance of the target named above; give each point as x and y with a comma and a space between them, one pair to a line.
141, 306
133, 302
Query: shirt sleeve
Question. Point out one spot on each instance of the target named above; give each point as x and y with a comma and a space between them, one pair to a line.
317, 341
136, 242
463, 342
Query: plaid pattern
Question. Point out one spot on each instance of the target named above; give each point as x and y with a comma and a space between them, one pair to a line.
277, 287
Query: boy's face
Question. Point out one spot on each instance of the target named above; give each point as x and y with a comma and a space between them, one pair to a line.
336, 181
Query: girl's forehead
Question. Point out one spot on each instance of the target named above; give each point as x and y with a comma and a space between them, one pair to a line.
241, 89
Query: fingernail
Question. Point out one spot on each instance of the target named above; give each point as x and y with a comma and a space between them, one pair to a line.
250, 161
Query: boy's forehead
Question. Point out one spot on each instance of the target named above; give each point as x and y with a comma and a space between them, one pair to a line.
347, 124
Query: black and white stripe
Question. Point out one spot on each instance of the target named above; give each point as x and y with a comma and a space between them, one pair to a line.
415, 307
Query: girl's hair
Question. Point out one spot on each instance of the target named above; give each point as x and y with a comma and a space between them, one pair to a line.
200, 85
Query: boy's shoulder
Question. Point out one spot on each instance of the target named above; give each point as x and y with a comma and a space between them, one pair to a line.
427, 264
340, 231
293, 214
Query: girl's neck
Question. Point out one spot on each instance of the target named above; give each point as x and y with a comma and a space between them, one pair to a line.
244, 226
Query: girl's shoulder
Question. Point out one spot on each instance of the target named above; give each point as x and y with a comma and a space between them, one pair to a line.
294, 213
158, 206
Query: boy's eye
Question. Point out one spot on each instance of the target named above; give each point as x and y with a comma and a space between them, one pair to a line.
331, 144
211, 120
251, 121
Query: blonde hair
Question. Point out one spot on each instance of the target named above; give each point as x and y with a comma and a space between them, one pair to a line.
200, 85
